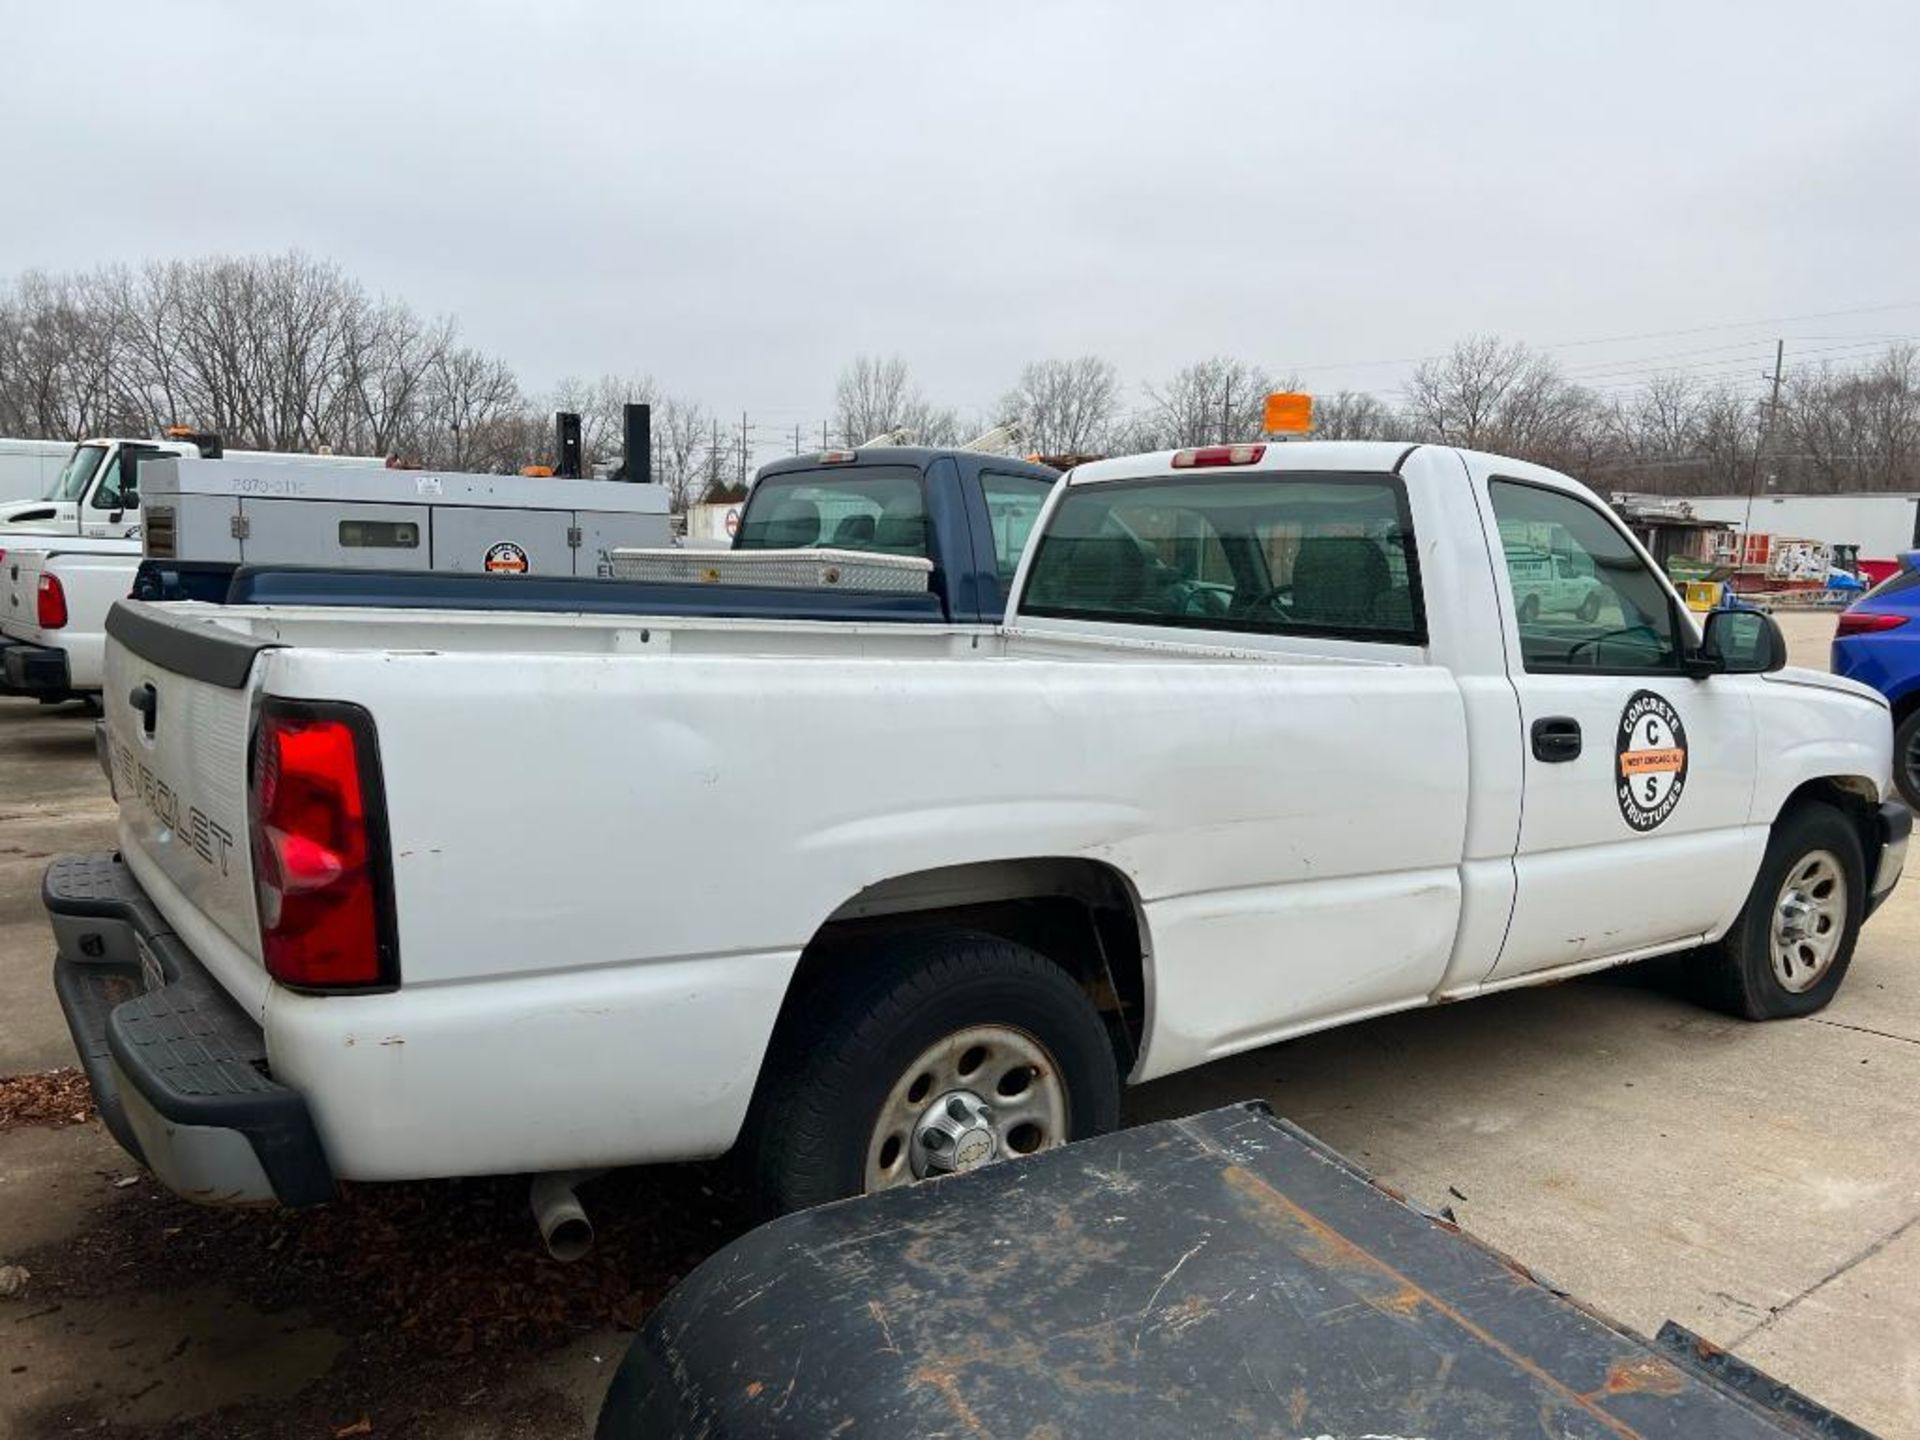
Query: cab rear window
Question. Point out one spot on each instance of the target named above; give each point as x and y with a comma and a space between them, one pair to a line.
878, 508
1311, 555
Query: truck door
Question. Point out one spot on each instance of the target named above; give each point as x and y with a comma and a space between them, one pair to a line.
112, 506
1638, 780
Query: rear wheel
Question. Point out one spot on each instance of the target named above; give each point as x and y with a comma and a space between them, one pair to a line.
938, 1053
1530, 609
1590, 606
1906, 759
1789, 949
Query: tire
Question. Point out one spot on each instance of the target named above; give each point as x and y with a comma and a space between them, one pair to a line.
1590, 607
1741, 972
1906, 759
841, 1057
1530, 609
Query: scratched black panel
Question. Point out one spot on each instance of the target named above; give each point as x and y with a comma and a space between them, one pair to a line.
1220, 1275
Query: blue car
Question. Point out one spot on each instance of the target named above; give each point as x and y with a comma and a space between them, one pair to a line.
1877, 643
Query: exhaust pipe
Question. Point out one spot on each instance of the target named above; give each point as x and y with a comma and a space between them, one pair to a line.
562, 1219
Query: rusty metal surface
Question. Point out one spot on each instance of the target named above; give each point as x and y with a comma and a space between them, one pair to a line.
1220, 1275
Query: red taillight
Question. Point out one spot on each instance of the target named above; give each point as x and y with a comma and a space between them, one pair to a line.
1218, 455
1865, 622
320, 850
51, 602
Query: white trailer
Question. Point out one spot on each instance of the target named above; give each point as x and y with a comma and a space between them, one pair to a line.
29, 467
272, 513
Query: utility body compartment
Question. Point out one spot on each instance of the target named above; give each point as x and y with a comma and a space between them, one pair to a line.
254, 513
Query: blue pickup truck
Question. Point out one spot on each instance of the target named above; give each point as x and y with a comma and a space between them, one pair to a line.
967, 513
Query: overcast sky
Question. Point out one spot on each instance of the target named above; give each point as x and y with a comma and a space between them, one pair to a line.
737, 198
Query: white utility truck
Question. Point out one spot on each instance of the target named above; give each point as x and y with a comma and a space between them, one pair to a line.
1261, 746
216, 515
97, 494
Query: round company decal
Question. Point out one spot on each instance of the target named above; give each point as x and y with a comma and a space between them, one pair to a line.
1652, 752
506, 558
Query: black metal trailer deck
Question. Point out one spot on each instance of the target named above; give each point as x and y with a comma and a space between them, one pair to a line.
1222, 1275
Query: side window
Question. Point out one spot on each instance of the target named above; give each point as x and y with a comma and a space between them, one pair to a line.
1013, 504
1607, 612
108, 494
1267, 554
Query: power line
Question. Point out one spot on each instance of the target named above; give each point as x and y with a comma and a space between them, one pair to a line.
1627, 339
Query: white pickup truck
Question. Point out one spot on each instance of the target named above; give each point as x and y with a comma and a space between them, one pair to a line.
55, 592
1261, 746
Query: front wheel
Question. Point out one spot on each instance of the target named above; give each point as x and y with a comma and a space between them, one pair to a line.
935, 1054
1590, 606
1789, 949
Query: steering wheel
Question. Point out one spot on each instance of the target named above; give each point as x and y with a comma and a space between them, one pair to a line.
1272, 595
1594, 640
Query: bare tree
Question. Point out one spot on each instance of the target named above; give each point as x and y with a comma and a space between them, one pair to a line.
682, 433
1210, 402
1355, 415
1068, 407
872, 396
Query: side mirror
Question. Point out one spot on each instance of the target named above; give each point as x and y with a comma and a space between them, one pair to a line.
1741, 642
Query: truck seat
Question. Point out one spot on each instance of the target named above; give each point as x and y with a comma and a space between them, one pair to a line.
1338, 580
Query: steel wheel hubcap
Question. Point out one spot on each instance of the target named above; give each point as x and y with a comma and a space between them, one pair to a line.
981, 1094
1809, 921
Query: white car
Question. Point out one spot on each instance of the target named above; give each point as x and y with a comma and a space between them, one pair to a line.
1262, 746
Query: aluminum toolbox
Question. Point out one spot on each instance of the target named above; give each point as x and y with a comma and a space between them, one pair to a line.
808, 569
263, 513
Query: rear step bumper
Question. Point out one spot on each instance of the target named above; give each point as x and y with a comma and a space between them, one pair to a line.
37, 670
178, 1070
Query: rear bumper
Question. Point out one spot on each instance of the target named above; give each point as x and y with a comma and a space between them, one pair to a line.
1895, 822
178, 1070
36, 670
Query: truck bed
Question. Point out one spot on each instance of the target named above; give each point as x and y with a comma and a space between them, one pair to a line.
1220, 1275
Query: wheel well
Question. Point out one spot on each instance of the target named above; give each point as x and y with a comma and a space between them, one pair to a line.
1906, 705
1854, 796
1080, 914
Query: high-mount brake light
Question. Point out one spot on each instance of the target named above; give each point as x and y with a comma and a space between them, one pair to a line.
320, 858
838, 457
1866, 622
50, 603
1208, 455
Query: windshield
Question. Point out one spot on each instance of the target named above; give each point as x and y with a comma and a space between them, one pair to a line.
878, 508
71, 483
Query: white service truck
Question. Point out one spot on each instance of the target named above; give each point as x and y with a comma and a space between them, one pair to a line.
214, 516
95, 494
1261, 746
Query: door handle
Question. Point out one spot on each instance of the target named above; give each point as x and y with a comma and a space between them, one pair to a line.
1556, 739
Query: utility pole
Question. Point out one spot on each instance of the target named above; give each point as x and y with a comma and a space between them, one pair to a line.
745, 430
796, 437
823, 434
1764, 443
713, 458
1226, 412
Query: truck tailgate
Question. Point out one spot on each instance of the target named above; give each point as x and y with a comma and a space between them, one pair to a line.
19, 575
178, 701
